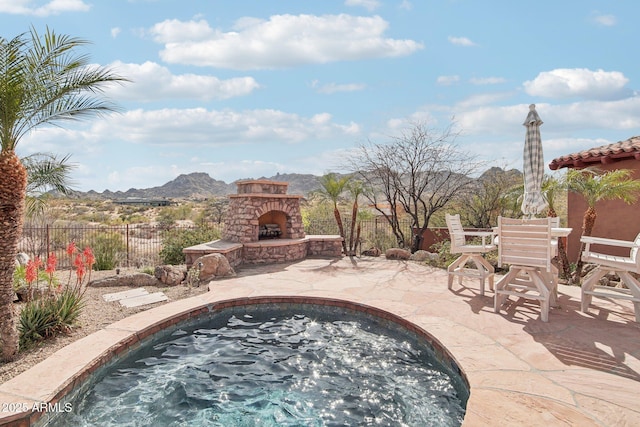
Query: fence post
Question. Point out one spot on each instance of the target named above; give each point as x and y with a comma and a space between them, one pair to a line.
127, 233
48, 240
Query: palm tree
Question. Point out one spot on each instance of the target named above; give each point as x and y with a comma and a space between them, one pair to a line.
45, 172
331, 189
595, 185
42, 81
356, 189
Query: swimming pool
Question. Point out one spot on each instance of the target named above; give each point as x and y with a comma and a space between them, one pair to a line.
276, 364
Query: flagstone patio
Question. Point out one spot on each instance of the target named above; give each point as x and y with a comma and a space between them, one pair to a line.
577, 369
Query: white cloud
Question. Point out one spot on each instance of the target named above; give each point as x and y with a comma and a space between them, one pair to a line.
173, 31
593, 117
370, 5
115, 32
329, 88
486, 80
447, 80
281, 41
604, 20
200, 127
580, 82
151, 81
460, 41
129, 149
53, 7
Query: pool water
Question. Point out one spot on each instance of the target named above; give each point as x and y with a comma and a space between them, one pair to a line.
257, 368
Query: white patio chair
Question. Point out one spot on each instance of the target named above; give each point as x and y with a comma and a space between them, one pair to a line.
469, 253
526, 246
620, 265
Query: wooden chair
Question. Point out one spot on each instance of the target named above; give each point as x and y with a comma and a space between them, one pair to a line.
469, 253
620, 265
526, 246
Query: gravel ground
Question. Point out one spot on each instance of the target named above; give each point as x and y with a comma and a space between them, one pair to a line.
96, 314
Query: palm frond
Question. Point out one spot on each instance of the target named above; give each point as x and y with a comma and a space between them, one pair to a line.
44, 82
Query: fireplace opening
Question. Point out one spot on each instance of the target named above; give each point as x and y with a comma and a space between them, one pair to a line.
272, 225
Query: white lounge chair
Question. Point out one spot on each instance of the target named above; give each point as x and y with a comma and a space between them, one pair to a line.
620, 265
526, 246
469, 253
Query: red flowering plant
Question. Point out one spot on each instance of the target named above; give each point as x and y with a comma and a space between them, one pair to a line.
82, 262
59, 309
33, 273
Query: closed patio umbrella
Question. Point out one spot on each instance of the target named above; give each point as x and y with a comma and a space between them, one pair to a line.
533, 202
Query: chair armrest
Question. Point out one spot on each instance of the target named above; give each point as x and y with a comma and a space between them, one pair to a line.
483, 234
609, 242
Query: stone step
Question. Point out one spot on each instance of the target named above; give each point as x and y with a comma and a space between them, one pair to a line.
125, 294
143, 299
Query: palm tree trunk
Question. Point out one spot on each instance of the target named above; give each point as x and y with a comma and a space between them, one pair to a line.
354, 215
13, 188
562, 251
588, 222
336, 213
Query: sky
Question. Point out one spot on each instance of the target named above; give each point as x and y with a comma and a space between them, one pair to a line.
245, 89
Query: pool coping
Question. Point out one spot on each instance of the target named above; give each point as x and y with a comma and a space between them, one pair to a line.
504, 385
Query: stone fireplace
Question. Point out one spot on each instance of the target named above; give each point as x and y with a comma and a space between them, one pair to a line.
263, 224
263, 210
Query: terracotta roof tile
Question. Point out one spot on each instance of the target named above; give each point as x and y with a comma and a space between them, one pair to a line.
605, 154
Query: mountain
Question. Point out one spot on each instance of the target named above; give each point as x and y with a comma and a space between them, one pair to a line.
199, 185
298, 183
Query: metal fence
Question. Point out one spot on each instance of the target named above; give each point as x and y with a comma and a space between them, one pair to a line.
139, 245
126, 245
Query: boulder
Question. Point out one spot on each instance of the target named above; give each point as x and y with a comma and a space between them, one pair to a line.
397, 253
372, 252
423, 256
170, 275
21, 259
135, 280
212, 266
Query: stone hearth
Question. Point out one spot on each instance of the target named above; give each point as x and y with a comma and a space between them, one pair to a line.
263, 224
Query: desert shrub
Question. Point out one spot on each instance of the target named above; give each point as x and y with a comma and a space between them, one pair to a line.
107, 249
174, 241
46, 317
169, 215
445, 257
100, 217
134, 218
148, 270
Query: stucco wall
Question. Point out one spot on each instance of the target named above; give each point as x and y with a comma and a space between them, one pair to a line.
615, 219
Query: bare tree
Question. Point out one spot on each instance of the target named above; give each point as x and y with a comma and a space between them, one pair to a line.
489, 197
415, 174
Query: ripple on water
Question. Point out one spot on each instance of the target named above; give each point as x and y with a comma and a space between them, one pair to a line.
285, 369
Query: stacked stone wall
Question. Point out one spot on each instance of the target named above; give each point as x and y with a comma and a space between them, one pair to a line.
268, 254
241, 224
330, 248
